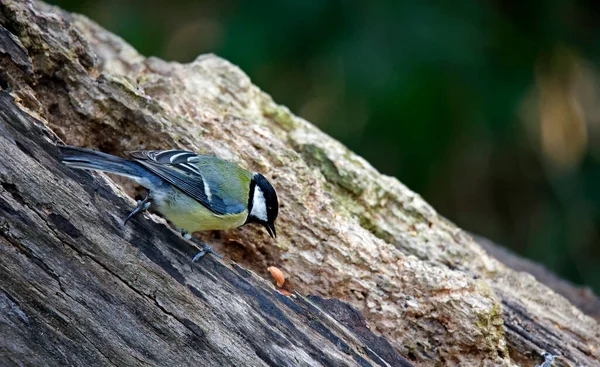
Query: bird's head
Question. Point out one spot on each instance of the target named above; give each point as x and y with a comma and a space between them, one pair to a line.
263, 206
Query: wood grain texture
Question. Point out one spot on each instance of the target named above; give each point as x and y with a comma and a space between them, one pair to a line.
79, 289
345, 231
582, 297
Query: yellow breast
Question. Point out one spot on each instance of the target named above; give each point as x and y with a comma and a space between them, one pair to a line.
188, 214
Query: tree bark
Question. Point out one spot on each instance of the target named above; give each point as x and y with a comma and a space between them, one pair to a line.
78, 288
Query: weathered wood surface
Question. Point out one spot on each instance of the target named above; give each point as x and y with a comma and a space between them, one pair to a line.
345, 231
79, 289
581, 296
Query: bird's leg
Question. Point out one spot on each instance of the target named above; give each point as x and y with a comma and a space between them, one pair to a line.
141, 207
548, 360
205, 248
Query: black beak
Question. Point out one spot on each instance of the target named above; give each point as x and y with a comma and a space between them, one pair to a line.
271, 229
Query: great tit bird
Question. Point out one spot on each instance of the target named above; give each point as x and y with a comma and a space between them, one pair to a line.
194, 192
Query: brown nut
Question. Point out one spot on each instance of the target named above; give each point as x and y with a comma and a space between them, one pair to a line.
277, 274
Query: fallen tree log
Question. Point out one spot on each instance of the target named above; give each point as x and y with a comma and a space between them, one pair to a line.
71, 276
80, 289
581, 296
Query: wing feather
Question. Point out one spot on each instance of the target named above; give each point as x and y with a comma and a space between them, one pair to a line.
181, 169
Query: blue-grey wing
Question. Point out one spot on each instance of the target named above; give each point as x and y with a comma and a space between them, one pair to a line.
204, 178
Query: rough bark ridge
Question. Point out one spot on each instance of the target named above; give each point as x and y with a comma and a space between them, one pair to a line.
345, 230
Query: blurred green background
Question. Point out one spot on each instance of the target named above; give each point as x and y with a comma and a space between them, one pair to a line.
488, 109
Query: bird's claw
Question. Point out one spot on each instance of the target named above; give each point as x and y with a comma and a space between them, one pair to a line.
548, 360
142, 205
205, 250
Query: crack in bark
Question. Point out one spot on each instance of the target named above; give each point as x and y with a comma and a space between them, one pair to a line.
96, 347
28, 252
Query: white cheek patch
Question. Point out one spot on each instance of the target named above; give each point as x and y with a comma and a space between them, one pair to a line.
259, 206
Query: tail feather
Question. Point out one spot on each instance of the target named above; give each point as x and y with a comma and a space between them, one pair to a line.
88, 159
